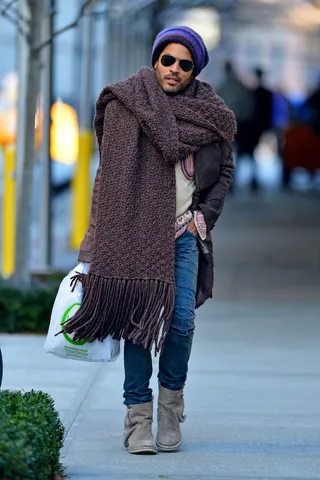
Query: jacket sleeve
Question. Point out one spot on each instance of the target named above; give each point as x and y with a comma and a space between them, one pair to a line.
212, 201
87, 243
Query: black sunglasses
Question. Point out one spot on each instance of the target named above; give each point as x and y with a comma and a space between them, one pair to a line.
168, 60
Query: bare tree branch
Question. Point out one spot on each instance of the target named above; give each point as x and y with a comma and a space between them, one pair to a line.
9, 8
15, 20
20, 17
8, 5
74, 24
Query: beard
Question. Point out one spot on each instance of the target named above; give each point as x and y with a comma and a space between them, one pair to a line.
172, 89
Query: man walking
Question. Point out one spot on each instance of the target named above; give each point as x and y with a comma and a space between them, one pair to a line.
165, 168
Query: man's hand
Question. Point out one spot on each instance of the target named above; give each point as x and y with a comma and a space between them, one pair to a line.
192, 228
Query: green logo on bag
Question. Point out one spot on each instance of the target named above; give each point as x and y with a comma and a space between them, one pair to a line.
65, 317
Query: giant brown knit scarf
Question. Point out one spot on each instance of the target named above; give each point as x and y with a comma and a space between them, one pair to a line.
129, 291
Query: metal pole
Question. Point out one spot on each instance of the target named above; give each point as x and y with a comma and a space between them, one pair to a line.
121, 46
45, 204
107, 49
86, 72
127, 43
112, 50
133, 44
23, 56
77, 55
8, 211
81, 185
138, 54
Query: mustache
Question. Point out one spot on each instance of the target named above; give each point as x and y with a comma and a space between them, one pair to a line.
173, 75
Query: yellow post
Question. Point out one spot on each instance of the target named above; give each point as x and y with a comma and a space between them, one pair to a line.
8, 210
81, 189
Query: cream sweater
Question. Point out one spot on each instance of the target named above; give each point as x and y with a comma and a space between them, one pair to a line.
185, 188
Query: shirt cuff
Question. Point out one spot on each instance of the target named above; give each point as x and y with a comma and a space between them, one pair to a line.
200, 224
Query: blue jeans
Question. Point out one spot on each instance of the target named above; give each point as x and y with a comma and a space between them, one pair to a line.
173, 362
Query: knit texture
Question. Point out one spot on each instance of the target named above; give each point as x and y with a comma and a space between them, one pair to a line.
186, 37
141, 132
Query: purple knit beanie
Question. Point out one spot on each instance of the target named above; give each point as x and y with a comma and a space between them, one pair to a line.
187, 37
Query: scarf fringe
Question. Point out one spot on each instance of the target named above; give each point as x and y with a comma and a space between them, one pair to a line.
133, 309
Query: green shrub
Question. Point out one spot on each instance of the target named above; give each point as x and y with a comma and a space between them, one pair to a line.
26, 310
31, 436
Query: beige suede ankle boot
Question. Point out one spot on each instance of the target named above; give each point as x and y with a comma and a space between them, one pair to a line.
138, 436
170, 415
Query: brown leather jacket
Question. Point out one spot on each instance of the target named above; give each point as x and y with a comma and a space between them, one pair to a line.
213, 177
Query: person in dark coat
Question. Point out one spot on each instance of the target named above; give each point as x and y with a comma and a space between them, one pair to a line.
241, 99
168, 110
262, 118
257, 109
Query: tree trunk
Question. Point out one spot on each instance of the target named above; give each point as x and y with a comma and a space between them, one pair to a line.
24, 208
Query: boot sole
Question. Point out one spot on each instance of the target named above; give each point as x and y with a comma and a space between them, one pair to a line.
145, 451
171, 448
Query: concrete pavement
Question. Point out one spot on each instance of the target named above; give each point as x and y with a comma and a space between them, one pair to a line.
252, 397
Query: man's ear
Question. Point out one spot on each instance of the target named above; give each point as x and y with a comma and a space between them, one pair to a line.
156, 65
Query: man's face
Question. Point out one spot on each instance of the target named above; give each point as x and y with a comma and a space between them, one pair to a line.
173, 79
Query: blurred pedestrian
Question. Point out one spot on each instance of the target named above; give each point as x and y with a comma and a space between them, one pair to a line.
312, 108
261, 121
165, 168
263, 98
241, 100
236, 95
281, 115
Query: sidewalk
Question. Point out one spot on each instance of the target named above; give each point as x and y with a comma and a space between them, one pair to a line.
252, 397
252, 400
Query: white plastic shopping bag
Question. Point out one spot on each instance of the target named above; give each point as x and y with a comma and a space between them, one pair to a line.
65, 306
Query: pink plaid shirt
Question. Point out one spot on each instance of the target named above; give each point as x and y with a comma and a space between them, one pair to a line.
183, 221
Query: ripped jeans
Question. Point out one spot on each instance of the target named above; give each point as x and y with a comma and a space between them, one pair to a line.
173, 362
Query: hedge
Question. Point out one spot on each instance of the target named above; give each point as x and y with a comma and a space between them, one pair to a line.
31, 436
26, 310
